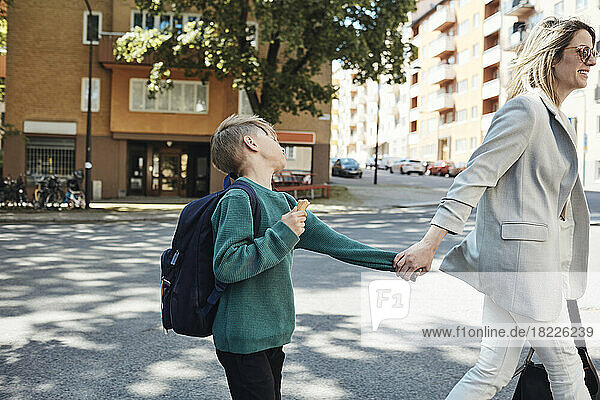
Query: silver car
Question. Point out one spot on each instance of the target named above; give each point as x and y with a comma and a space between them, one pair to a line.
407, 166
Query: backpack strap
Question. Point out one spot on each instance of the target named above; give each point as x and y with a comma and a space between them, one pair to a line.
215, 295
256, 213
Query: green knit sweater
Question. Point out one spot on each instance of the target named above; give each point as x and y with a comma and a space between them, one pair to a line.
256, 311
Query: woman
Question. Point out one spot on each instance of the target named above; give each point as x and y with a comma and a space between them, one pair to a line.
529, 249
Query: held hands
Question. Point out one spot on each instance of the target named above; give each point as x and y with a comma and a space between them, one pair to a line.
295, 220
416, 260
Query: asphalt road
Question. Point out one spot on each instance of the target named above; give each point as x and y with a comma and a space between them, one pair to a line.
438, 185
80, 320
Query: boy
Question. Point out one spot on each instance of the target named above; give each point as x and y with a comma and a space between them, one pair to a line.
256, 316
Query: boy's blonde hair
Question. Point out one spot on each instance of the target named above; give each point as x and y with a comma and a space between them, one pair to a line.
227, 143
545, 45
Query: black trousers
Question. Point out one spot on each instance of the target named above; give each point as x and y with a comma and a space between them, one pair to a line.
254, 376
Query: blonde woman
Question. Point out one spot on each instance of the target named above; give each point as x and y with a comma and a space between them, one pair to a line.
529, 249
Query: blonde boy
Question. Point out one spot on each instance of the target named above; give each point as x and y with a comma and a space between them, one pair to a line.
256, 316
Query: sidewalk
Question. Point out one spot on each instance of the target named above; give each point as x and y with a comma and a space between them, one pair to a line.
344, 199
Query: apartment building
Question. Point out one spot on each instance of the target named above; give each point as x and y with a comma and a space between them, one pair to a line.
455, 82
139, 146
354, 121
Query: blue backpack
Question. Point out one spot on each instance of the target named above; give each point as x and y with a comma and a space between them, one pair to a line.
188, 289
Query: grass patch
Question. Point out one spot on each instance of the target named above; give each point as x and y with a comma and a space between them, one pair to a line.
338, 195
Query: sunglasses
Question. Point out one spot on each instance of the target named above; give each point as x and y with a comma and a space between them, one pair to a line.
584, 52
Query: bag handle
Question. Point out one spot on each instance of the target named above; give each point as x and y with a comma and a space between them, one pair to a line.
575, 318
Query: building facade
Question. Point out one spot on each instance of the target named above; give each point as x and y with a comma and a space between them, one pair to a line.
139, 146
354, 118
455, 82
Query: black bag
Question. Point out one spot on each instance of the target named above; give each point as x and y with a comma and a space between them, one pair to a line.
189, 291
533, 380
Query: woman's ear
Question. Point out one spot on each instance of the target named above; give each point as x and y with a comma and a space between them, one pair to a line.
250, 143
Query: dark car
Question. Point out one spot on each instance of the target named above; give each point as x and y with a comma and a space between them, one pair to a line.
347, 167
440, 168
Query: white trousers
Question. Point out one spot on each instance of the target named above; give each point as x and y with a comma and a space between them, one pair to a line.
499, 358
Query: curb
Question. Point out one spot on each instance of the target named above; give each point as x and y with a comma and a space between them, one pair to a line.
90, 218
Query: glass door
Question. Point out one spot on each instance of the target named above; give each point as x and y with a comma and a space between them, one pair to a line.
170, 173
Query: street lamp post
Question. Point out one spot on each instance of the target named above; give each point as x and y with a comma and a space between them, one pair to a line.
376, 137
88, 134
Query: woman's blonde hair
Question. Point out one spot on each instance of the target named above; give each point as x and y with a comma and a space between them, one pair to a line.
544, 47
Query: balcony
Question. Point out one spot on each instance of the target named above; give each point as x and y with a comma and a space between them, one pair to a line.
442, 19
515, 39
486, 121
441, 73
491, 56
492, 24
490, 89
520, 8
442, 102
413, 115
442, 46
416, 41
414, 90
106, 46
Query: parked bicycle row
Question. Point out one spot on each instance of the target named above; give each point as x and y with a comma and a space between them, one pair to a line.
50, 192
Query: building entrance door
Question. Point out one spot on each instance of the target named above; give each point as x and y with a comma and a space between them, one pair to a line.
171, 172
443, 149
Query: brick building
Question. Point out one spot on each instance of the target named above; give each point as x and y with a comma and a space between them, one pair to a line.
139, 146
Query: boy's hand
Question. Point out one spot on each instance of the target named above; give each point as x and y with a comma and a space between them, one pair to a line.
295, 220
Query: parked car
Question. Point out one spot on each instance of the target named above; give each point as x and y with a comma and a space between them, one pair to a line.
347, 167
440, 168
370, 163
386, 162
407, 166
457, 168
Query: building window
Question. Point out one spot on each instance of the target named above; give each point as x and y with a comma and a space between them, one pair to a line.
186, 97
49, 156
462, 86
475, 82
474, 112
473, 142
597, 177
463, 28
559, 8
461, 115
461, 146
476, 20
95, 22
165, 21
580, 4
463, 57
95, 94
476, 50
290, 152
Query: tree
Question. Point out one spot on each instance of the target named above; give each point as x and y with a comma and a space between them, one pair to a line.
297, 38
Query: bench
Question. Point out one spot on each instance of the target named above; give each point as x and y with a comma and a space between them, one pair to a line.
305, 188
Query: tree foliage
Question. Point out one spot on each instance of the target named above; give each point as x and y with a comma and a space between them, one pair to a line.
296, 39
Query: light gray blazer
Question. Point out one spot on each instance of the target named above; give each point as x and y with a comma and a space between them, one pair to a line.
520, 179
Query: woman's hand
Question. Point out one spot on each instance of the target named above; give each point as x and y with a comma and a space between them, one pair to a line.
417, 259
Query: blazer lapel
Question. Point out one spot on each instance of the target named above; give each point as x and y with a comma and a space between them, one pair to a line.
559, 116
